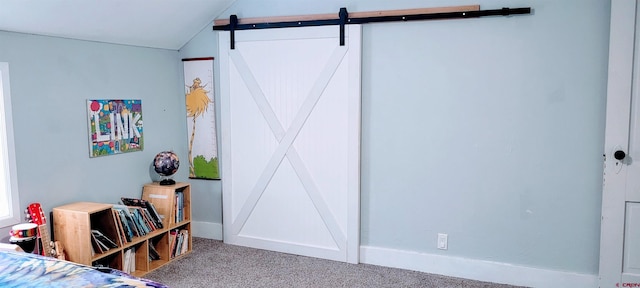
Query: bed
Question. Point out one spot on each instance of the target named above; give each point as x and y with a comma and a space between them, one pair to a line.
20, 269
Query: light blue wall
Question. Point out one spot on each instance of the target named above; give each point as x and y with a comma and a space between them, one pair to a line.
490, 130
51, 79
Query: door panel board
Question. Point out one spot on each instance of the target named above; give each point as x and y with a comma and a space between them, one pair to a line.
291, 141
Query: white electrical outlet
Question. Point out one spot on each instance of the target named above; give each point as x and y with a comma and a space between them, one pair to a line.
442, 241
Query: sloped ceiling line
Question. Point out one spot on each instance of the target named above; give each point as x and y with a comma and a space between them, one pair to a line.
156, 24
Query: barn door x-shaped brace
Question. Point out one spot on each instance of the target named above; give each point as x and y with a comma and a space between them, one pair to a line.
344, 18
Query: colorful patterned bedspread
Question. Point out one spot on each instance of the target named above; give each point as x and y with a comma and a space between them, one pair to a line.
19, 269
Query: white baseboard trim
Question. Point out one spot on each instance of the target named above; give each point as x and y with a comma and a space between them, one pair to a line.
496, 272
207, 230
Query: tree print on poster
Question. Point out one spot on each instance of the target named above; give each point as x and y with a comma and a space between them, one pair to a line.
115, 126
201, 118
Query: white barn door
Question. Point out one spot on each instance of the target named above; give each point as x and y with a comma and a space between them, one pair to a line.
290, 117
620, 229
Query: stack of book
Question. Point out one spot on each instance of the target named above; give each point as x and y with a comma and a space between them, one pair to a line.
135, 218
178, 242
153, 253
179, 209
148, 208
129, 260
101, 243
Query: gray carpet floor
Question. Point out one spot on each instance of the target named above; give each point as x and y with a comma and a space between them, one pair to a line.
215, 264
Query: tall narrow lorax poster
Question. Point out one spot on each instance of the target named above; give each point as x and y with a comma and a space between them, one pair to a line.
201, 118
115, 126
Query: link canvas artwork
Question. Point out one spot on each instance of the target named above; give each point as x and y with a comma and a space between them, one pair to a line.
115, 126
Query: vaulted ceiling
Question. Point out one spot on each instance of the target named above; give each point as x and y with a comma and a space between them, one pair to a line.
167, 24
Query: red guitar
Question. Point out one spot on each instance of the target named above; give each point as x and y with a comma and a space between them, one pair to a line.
49, 248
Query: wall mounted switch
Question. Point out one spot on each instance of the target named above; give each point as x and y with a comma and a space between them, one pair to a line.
442, 241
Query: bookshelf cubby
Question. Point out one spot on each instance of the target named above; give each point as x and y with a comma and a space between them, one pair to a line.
73, 224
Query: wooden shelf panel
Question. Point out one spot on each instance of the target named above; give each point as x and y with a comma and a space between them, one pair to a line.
85, 207
163, 199
111, 260
97, 256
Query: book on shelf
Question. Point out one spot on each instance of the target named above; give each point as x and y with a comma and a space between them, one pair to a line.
185, 241
96, 247
147, 206
172, 242
101, 243
119, 227
139, 221
104, 239
129, 260
179, 206
130, 228
125, 222
135, 220
153, 253
147, 219
178, 242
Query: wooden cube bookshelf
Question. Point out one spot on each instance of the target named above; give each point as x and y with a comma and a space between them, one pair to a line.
73, 224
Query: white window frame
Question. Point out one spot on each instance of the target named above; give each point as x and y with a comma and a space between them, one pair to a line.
8, 177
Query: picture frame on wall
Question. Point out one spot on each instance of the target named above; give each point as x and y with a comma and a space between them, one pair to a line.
201, 118
115, 126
